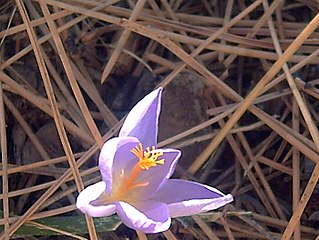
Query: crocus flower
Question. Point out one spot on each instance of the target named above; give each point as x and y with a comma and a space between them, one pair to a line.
135, 177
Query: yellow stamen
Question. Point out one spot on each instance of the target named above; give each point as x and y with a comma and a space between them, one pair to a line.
149, 158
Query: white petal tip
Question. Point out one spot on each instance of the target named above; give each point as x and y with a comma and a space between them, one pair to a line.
83, 202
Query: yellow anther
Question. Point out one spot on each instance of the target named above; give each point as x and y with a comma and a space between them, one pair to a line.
149, 158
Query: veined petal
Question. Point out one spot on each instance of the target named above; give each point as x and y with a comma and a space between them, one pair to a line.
142, 120
148, 217
186, 198
158, 175
116, 156
89, 194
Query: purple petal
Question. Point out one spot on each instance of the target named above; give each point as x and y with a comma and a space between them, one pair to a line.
124, 159
158, 175
115, 156
148, 217
142, 120
89, 194
186, 198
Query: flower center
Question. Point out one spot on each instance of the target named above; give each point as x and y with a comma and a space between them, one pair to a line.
146, 159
